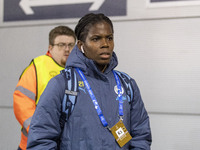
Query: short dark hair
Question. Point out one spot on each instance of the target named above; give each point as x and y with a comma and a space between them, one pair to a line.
82, 28
60, 30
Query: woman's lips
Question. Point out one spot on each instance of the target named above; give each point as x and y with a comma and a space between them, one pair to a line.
105, 55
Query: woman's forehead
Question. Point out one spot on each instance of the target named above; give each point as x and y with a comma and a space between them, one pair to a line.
100, 27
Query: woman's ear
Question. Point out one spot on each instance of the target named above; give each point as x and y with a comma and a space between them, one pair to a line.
79, 44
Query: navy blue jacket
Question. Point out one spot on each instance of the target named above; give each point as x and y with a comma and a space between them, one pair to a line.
84, 130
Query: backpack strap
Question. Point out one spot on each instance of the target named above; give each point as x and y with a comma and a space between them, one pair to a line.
69, 99
126, 82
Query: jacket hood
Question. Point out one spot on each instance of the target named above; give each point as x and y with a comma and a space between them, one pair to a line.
77, 59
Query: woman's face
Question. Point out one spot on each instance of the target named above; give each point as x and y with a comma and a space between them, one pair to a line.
99, 43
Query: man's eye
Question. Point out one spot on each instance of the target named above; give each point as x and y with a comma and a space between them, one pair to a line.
61, 44
110, 38
70, 45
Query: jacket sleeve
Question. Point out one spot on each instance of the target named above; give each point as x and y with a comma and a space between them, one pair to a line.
24, 98
140, 126
45, 127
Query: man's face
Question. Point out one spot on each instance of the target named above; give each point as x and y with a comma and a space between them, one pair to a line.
61, 48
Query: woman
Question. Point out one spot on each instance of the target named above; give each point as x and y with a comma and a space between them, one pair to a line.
94, 123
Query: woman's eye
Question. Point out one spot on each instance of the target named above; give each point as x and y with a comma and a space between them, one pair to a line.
95, 39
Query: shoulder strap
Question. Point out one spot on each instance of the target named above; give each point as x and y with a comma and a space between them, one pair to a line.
126, 81
69, 99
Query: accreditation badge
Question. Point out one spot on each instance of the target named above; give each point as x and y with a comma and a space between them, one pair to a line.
121, 134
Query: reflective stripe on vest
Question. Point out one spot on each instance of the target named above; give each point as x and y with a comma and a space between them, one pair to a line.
46, 68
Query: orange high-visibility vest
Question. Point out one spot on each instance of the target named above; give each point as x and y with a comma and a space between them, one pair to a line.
31, 84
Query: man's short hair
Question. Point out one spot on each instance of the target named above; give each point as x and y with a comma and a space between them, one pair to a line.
60, 30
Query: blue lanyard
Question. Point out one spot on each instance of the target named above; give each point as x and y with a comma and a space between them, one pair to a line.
119, 88
94, 100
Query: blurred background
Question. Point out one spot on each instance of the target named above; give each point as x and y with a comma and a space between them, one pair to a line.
157, 43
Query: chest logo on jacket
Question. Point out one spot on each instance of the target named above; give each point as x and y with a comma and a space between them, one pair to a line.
81, 86
122, 92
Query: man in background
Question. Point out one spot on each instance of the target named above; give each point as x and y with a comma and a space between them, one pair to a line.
35, 77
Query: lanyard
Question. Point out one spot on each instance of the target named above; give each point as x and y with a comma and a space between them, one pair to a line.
94, 100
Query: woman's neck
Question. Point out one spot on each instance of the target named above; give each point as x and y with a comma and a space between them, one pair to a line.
102, 68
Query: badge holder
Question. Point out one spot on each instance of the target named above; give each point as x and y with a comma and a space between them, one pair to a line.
120, 133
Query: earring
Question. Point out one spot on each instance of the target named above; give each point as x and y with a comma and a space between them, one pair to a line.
82, 49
